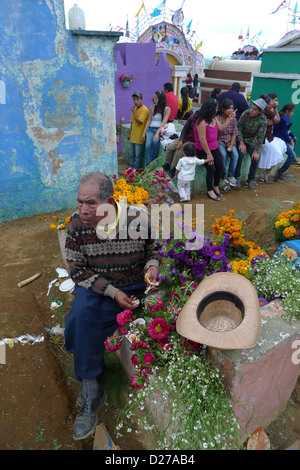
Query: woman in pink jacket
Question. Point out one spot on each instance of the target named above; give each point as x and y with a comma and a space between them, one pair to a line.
206, 135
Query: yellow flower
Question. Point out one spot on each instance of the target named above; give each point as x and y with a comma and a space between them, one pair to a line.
53, 226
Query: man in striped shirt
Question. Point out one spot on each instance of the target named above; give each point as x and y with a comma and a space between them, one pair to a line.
109, 247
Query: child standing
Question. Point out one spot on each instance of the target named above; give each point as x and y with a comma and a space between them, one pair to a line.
282, 130
185, 170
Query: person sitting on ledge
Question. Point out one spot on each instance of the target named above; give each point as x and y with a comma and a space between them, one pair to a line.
252, 127
107, 263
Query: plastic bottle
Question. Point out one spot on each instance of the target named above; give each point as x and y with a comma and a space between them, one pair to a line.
76, 18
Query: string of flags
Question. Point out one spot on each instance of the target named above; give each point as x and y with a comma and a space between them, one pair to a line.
145, 19
294, 12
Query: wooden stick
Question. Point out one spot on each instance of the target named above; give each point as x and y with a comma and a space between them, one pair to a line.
27, 281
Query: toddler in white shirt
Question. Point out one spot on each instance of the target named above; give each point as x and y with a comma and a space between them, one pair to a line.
185, 170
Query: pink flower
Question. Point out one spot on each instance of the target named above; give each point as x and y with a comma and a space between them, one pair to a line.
134, 360
113, 343
155, 304
148, 358
139, 380
165, 344
141, 344
124, 317
158, 328
124, 330
175, 295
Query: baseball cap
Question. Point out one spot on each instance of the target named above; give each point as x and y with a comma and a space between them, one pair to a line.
138, 94
260, 103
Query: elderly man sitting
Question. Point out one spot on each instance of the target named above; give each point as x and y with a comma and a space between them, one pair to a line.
108, 254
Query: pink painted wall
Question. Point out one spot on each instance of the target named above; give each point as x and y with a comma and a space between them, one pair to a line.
138, 60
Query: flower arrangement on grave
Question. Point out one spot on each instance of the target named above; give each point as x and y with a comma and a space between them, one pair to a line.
59, 224
126, 77
242, 253
155, 181
170, 371
128, 193
287, 224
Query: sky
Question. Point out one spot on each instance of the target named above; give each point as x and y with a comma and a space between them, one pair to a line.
217, 23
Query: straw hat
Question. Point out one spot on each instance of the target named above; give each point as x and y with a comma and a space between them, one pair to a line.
223, 312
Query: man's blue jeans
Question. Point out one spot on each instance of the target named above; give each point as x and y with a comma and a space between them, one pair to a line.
290, 158
90, 321
253, 166
152, 145
136, 153
233, 155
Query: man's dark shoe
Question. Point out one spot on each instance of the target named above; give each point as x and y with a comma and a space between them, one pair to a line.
87, 418
251, 184
172, 172
166, 166
279, 177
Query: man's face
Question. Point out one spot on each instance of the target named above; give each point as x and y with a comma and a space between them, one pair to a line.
138, 102
87, 202
255, 111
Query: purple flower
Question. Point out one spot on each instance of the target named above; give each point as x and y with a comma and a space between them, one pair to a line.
217, 253
262, 301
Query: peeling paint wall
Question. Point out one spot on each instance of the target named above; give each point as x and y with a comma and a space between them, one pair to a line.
57, 107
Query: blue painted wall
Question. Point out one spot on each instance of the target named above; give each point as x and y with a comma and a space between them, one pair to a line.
57, 107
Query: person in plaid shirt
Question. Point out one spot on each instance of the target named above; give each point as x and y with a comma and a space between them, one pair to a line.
226, 142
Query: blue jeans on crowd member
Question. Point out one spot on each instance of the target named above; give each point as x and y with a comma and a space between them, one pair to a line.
233, 155
253, 166
152, 145
136, 153
91, 319
290, 158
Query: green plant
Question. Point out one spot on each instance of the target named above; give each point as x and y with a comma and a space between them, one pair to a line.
278, 278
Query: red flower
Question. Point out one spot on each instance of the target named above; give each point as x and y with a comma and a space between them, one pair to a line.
124, 317
158, 328
155, 304
164, 344
141, 344
124, 330
134, 360
113, 343
149, 358
139, 380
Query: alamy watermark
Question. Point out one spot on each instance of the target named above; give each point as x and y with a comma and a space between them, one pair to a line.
296, 354
2, 352
165, 220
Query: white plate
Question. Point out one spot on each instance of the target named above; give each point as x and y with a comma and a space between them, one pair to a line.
66, 285
62, 272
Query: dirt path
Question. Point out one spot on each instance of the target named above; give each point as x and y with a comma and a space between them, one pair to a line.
37, 396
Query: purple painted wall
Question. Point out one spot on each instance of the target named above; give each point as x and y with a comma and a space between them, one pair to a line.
138, 60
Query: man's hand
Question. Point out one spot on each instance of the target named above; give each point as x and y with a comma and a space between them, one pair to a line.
126, 302
152, 272
179, 145
242, 147
255, 156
